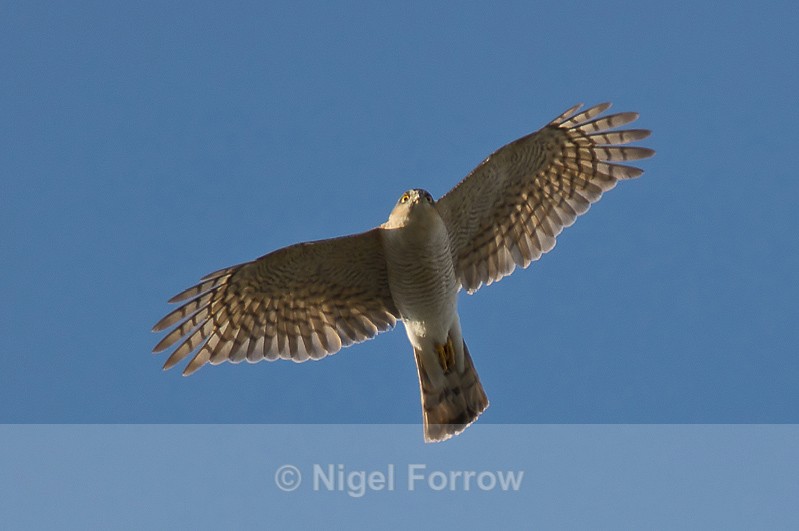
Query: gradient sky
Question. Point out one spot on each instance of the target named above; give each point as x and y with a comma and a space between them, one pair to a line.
144, 145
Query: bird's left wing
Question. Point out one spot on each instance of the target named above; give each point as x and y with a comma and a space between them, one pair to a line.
509, 210
300, 302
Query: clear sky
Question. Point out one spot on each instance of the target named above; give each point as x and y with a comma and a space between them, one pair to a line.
143, 145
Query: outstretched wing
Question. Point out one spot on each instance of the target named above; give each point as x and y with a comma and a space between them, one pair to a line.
509, 210
301, 302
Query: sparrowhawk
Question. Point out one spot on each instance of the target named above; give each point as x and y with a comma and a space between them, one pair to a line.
309, 300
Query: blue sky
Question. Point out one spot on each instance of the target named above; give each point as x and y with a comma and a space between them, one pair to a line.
145, 145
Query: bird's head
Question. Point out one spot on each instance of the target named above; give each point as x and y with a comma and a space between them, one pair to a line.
411, 204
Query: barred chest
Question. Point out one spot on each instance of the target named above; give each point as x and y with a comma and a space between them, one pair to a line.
420, 271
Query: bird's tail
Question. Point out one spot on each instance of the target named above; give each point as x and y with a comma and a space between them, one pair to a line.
450, 408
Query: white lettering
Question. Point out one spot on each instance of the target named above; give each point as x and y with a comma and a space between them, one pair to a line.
467, 479
357, 482
319, 475
437, 480
413, 477
486, 480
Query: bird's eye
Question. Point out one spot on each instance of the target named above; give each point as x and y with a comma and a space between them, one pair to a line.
404, 198
429, 198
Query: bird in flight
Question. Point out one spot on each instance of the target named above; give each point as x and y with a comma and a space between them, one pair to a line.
309, 300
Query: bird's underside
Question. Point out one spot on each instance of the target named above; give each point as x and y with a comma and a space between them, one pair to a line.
311, 299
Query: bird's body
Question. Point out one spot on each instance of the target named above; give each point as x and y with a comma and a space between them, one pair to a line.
420, 270
311, 299
421, 276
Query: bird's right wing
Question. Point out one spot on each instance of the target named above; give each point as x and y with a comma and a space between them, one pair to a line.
509, 210
300, 302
